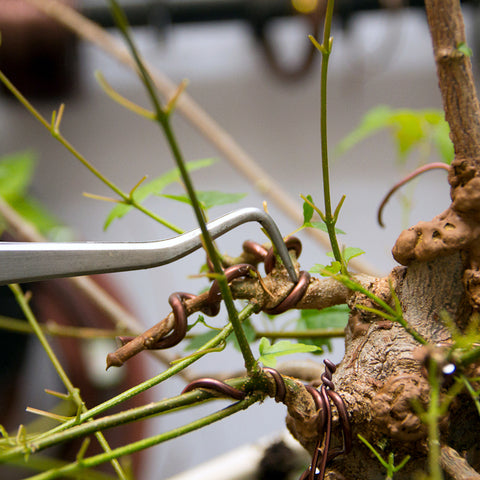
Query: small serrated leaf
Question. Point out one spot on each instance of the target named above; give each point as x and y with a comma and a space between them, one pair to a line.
154, 187
326, 270
117, 212
351, 252
209, 199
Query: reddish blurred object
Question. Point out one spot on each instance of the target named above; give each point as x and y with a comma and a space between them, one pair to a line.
37, 54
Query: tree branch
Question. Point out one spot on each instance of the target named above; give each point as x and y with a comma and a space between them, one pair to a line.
456, 466
458, 228
265, 294
454, 70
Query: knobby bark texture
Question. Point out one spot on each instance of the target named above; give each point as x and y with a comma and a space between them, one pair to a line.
383, 374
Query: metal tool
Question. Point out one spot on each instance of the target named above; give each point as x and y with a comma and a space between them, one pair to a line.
31, 261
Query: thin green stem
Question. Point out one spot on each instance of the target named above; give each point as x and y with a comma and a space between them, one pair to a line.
163, 120
25, 307
51, 328
148, 442
468, 357
16, 93
43, 463
432, 417
390, 313
471, 391
390, 466
132, 415
53, 128
154, 216
74, 392
124, 396
249, 359
330, 219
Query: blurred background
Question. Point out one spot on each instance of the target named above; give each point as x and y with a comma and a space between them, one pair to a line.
238, 57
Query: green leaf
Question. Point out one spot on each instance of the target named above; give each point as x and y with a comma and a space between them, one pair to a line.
408, 130
209, 199
269, 352
118, 211
199, 340
323, 227
348, 253
465, 49
307, 210
154, 187
326, 270
351, 252
443, 143
31, 210
331, 317
373, 121
16, 172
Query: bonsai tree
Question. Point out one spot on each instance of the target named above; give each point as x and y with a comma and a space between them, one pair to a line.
407, 386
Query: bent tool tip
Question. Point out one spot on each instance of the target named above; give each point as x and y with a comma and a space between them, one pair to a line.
22, 262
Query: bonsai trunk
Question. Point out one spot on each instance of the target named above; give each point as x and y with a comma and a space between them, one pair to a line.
383, 376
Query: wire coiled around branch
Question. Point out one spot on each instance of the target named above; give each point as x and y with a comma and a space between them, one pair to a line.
154, 338
323, 454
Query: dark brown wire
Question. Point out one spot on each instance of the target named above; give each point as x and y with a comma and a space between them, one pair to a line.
255, 249
293, 297
180, 327
211, 306
217, 386
322, 398
231, 273
280, 390
292, 243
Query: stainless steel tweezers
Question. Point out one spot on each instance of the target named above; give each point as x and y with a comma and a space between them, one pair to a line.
30, 261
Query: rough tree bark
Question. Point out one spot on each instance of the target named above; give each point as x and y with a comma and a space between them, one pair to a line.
382, 371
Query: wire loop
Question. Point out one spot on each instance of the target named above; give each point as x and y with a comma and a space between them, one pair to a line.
322, 398
217, 386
